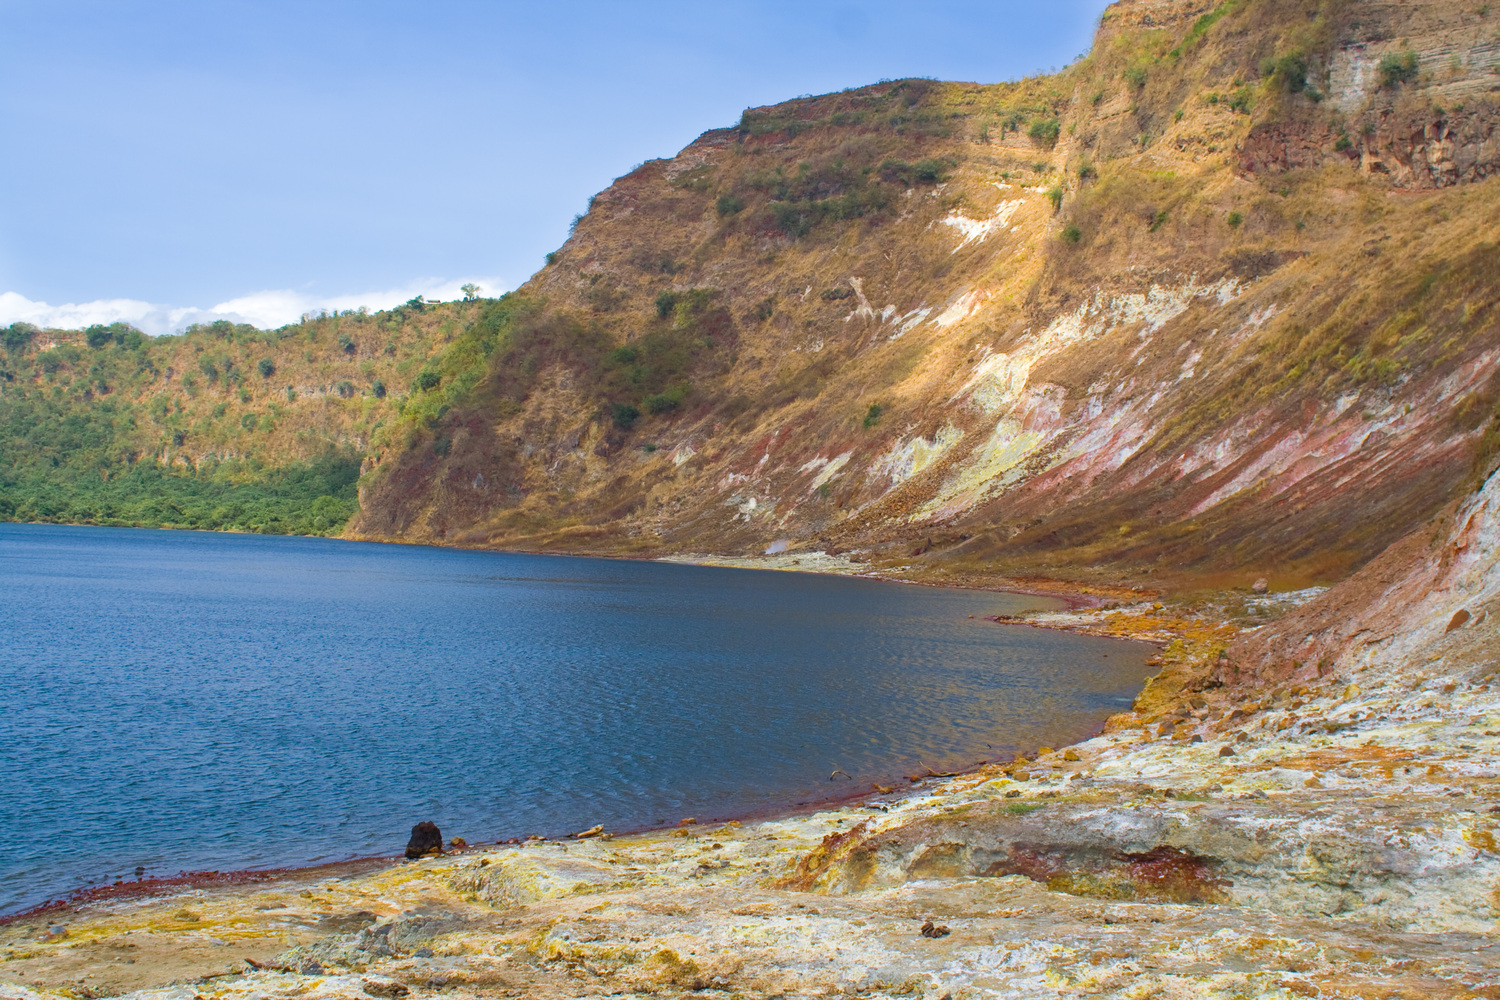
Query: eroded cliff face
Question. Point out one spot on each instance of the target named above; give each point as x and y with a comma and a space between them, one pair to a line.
1216, 302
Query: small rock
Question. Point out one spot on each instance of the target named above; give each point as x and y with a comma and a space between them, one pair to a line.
1459, 620
384, 988
1070, 754
931, 930
426, 838
1226, 751
458, 842
422, 953
691, 820
592, 831
1022, 775
1260, 586
307, 967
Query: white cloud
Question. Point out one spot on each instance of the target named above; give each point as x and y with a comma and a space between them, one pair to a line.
268, 309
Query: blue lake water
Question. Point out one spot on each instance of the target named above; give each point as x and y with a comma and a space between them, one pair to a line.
193, 701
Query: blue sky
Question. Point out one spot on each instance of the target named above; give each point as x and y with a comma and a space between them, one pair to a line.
169, 161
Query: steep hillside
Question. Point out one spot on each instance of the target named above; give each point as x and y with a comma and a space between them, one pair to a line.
223, 427
1216, 302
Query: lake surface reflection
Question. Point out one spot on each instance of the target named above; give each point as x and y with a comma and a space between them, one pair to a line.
186, 701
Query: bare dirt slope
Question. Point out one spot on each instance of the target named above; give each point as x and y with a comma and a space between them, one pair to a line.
1216, 302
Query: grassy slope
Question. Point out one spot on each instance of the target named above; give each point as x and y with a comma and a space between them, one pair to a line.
223, 427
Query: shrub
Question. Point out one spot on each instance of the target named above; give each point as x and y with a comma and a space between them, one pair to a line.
624, 415
622, 356
872, 415
1071, 234
1055, 195
834, 294
1289, 73
1044, 132
1398, 68
346, 343
209, 369
345, 389
666, 301
427, 380
1159, 221
1135, 76
1087, 172
266, 367
249, 421
1235, 219
728, 204
97, 336
668, 401
913, 174
1343, 143
1242, 100
378, 389
18, 336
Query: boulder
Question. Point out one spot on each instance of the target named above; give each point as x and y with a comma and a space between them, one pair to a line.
426, 839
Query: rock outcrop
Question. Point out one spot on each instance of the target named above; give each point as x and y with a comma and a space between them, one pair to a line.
426, 839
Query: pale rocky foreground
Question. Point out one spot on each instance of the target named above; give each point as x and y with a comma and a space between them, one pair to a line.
1334, 836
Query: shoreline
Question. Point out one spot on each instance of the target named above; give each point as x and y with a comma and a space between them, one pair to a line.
155, 886
903, 787
1176, 824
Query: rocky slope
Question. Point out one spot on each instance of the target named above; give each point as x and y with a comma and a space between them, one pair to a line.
1216, 302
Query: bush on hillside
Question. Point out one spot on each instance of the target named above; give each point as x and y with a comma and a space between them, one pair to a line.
1045, 132
1397, 68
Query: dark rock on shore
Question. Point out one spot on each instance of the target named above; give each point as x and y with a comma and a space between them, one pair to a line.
426, 839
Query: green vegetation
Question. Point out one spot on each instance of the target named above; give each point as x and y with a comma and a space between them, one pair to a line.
1045, 132
1396, 69
1235, 219
872, 415
198, 430
1287, 74
1201, 26
311, 498
1071, 234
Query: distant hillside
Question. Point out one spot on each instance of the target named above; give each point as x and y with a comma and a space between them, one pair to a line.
1218, 301
223, 427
